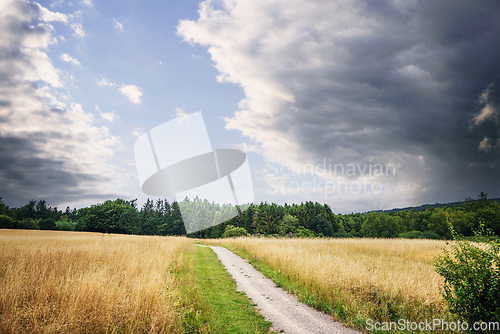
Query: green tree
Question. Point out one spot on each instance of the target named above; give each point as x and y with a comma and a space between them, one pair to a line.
129, 220
4, 209
107, 217
289, 225
178, 227
341, 232
438, 224
319, 225
389, 226
371, 226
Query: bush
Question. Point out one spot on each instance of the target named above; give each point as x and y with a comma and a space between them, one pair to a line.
62, 225
47, 224
232, 232
472, 277
431, 235
7, 222
411, 235
419, 235
28, 224
303, 232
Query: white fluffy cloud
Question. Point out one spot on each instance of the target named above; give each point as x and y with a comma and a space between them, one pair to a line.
105, 82
78, 30
66, 57
132, 92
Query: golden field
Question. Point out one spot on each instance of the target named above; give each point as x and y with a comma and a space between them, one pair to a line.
78, 282
343, 274
57, 282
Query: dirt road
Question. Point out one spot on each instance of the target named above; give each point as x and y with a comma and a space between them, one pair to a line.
282, 309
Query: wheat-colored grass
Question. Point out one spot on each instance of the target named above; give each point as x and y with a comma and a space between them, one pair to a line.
61, 282
348, 272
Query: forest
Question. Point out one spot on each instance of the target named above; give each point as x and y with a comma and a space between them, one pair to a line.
307, 219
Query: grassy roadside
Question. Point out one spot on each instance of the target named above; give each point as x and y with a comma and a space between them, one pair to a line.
210, 301
305, 294
353, 306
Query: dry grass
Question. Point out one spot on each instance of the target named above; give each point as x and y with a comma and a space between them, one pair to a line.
56, 282
344, 274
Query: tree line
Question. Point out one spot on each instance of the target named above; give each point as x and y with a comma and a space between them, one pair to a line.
309, 219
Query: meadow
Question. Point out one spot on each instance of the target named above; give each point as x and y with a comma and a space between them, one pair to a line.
353, 279
79, 282
55, 282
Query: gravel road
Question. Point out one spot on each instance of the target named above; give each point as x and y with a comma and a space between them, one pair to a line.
282, 309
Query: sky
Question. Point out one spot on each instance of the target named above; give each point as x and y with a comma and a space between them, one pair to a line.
363, 105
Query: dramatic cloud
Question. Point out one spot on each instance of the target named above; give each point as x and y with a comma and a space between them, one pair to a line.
49, 147
363, 82
66, 57
118, 26
132, 92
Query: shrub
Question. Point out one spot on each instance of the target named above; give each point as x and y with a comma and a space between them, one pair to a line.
28, 223
47, 224
431, 235
419, 235
62, 225
411, 235
232, 231
303, 232
7, 222
472, 277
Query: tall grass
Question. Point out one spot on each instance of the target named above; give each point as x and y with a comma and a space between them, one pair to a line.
56, 282
354, 279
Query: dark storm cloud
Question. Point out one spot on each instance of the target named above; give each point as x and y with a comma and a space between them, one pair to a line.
370, 81
417, 81
25, 176
49, 152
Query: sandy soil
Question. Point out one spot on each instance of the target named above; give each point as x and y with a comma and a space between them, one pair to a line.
285, 312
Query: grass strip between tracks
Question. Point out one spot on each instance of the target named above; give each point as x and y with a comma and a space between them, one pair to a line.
213, 303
